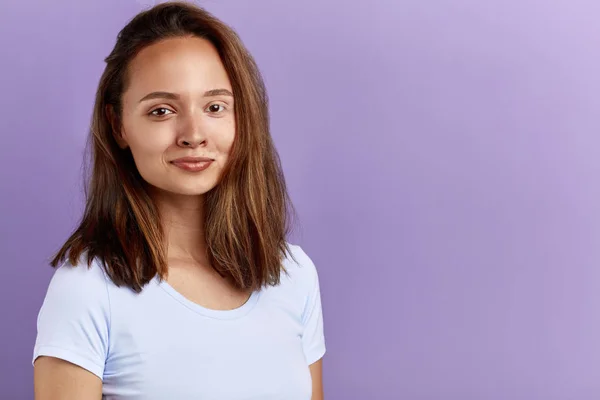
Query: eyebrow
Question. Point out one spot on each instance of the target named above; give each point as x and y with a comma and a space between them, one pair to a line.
174, 96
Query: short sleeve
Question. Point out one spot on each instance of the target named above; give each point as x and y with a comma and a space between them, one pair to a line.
313, 337
74, 319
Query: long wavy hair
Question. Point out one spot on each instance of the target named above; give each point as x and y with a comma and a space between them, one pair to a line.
247, 215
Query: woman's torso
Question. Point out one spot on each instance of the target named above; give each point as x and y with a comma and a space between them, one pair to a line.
162, 345
159, 345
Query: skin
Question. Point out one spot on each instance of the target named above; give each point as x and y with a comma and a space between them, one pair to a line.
178, 104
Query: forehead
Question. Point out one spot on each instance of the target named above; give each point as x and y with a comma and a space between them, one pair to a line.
183, 65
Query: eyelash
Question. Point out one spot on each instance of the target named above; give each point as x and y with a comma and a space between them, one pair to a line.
223, 108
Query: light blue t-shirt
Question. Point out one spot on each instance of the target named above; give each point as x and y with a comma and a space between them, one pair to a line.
160, 345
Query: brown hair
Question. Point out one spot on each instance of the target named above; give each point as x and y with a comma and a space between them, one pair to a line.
246, 215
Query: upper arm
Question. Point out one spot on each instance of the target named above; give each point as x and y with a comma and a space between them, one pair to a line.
313, 335
72, 342
56, 379
316, 373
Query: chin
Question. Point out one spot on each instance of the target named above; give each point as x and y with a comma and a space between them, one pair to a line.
184, 191
193, 190
174, 189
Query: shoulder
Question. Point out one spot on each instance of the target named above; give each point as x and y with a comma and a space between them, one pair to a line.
300, 271
299, 265
79, 280
75, 290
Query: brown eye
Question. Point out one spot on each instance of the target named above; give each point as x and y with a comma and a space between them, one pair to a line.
215, 108
159, 112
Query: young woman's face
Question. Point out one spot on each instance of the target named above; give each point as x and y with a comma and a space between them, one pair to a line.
177, 112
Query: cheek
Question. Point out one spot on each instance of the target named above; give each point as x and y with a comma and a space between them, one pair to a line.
150, 147
148, 142
224, 140
225, 143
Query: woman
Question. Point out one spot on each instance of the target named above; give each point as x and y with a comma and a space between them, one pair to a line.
179, 283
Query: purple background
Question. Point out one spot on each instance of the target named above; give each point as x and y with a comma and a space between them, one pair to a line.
443, 157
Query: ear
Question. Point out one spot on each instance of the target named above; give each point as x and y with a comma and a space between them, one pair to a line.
115, 126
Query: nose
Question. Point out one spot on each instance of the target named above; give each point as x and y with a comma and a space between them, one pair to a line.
191, 133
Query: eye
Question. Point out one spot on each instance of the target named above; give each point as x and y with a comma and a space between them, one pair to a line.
216, 108
160, 112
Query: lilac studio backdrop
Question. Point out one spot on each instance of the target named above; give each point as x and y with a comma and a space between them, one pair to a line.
443, 157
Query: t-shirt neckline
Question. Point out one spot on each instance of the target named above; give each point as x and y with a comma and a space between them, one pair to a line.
238, 312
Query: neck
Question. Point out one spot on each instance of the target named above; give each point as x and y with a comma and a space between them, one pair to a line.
182, 219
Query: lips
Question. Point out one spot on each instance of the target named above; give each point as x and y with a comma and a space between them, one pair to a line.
193, 164
191, 159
